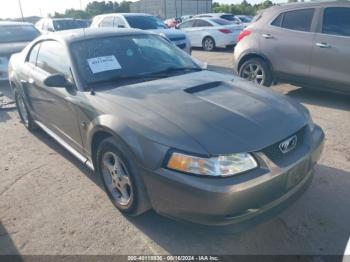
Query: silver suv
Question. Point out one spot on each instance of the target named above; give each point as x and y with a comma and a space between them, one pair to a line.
307, 44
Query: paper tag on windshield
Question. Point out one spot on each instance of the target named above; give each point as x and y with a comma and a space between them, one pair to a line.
103, 63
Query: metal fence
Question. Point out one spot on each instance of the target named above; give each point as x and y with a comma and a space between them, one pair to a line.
171, 8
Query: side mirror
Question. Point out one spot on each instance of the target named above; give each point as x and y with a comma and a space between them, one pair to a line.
56, 80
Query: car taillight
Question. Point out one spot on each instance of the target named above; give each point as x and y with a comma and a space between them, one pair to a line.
243, 34
225, 31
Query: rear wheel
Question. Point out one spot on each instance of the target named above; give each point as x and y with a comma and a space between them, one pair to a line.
208, 43
122, 184
23, 112
257, 71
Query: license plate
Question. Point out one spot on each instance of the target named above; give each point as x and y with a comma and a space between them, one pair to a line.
296, 174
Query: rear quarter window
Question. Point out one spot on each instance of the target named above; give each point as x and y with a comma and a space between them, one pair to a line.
298, 20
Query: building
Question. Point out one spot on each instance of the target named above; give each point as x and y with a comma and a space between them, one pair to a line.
171, 8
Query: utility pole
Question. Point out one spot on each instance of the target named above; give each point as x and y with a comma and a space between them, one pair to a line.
20, 8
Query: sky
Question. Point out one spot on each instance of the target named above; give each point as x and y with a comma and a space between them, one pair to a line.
10, 8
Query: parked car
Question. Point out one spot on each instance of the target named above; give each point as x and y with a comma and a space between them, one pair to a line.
243, 19
172, 22
143, 22
161, 132
84, 23
226, 16
210, 33
186, 17
14, 36
47, 25
303, 43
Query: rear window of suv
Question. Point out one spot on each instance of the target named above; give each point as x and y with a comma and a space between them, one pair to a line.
299, 20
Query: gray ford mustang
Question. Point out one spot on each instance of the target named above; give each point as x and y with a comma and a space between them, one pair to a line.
162, 132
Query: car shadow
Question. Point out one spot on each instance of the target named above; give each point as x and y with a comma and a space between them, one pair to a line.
217, 49
8, 249
321, 98
309, 226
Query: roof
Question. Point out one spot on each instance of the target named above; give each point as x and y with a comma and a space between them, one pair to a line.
318, 3
10, 23
70, 36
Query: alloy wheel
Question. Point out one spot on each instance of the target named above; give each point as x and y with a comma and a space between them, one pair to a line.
208, 44
22, 110
117, 179
254, 72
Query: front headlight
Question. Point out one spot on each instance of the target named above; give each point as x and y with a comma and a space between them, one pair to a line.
215, 166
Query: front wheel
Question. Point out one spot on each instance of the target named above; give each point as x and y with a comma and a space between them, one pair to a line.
208, 44
23, 112
123, 185
257, 71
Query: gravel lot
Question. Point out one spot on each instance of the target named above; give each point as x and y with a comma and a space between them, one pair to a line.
51, 204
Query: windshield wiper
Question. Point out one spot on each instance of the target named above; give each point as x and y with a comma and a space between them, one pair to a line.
176, 69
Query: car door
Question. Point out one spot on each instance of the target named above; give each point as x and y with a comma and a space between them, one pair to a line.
54, 106
287, 42
190, 31
331, 51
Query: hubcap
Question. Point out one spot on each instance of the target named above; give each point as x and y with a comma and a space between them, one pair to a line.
22, 109
254, 72
208, 43
117, 178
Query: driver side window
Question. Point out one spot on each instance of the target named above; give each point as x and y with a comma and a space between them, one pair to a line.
53, 59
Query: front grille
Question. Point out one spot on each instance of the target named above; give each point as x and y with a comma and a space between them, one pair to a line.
274, 153
181, 46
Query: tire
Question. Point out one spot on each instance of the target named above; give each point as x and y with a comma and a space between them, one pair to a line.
256, 70
120, 178
23, 112
208, 44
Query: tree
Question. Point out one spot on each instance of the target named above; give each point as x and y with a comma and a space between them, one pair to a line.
95, 8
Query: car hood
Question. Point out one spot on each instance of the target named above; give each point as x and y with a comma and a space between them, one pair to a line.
169, 33
10, 48
221, 112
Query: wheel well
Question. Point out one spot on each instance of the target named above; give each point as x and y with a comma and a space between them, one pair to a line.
97, 138
250, 56
208, 36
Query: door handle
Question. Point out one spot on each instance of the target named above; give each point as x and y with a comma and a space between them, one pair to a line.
267, 36
323, 45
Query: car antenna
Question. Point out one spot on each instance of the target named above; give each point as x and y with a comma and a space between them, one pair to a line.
92, 91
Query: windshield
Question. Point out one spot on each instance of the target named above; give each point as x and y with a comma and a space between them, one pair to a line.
228, 17
119, 58
17, 33
145, 22
220, 21
245, 19
60, 25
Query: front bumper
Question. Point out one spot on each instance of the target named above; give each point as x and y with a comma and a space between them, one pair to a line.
241, 200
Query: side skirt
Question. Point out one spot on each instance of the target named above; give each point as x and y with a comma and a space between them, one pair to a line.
74, 152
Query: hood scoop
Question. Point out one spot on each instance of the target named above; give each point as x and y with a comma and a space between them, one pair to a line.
200, 88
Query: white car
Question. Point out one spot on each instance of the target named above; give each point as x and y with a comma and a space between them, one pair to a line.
244, 19
143, 22
234, 19
210, 33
